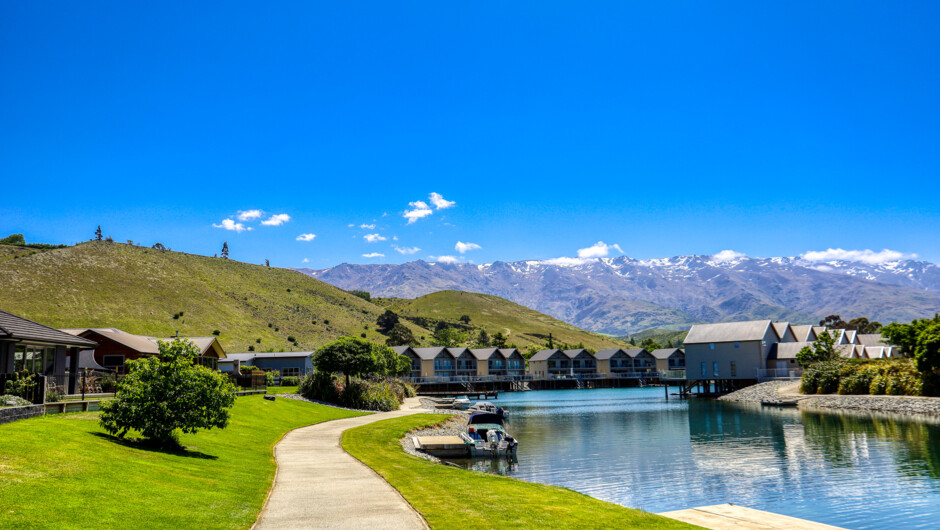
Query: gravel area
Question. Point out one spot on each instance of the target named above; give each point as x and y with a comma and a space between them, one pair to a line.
452, 427
756, 393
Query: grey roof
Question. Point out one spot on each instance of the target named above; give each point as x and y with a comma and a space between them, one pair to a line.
483, 354
727, 332
19, 328
802, 333
870, 339
576, 352
269, 355
428, 354
509, 352
457, 352
635, 352
608, 353
787, 350
850, 335
400, 350
543, 355
781, 328
665, 353
818, 329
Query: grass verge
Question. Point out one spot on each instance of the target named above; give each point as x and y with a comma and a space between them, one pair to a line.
455, 498
282, 390
64, 471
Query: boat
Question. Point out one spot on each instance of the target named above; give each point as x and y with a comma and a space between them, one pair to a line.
461, 403
486, 436
486, 407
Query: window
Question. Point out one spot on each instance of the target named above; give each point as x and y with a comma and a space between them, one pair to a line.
711, 345
715, 368
290, 371
734, 370
443, 364
704, 370
112, 361
737, 345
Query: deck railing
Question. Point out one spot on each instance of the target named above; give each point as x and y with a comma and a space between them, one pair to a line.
778, 373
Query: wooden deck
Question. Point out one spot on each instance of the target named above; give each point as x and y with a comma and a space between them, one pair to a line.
729, 516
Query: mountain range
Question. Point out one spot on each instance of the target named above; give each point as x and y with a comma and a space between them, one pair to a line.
622, 295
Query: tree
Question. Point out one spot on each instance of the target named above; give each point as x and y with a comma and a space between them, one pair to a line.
632, 341
465, 319
822, 350
266, 262
400, 335
833, 322
498, 340
225, 250
362, 294
13, 239
98, 236
347, 355
927, 357
159, 246
905, 336
387, 320
863, 325
390, 363
447, 337
483, 340
649, 344
165, 393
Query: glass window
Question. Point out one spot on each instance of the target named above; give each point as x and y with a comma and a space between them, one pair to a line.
704, 370
19, 358
711, 345
112, 361
715, 368
292, 371
737, 344
49, 366
734, 369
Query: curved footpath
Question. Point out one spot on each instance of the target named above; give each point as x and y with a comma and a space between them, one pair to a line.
319, 485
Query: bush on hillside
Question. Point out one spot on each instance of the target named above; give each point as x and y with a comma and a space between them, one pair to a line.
163, 394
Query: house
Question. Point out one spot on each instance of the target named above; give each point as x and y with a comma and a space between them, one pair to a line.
643, 361
115, 347
30, 346
613, 362
438, 361
669, 359
409, 352
289, 364
549, 363
465, 362
583, 363
499, 362
729, 350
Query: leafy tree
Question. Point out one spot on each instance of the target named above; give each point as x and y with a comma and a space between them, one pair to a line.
822, 350
159, 246
649, 344
390, 363
483, 340
347, 355
216, 332
632, 341
927, 357
905, 336
465, 319
387, 320
498, 340
400, 335
362, 294
166, 393
863, 325
833, 322
447, 337
13, 239
267, 263
225, 250
98, 236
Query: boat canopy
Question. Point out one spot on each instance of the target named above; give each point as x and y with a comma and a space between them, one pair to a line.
477, 419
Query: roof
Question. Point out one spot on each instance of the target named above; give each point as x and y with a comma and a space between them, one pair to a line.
665, 353
144, 344
787, 350
802, 333
781, 328
576, 352
268, 355
608, 353
634, 352
870, 339
543, 355
457, 352
850, 336
18, 328
509, 352
818, 329
428, 354
400, 350
483, 354
728, 332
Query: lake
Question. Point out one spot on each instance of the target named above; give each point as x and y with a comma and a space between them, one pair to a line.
634, 448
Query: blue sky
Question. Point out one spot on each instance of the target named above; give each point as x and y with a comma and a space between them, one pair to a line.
666, 128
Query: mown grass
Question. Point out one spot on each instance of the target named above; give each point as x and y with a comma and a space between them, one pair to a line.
522, 326
282, 389
448, 497
63, 471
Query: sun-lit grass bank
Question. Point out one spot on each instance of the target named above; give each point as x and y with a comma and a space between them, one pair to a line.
63, 471
449, 497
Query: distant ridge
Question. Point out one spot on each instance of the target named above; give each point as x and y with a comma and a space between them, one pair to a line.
623, 295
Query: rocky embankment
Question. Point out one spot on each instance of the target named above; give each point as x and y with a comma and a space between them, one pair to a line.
789, 390
452, 427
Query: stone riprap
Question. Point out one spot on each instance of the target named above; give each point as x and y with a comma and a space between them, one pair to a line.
452, 427
757, 393
789, 390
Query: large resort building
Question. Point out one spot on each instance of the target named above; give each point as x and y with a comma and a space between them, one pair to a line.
456, 363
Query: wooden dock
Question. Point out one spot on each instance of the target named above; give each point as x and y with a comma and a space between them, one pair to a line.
729, 516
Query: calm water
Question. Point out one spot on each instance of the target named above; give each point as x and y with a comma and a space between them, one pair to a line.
632, 447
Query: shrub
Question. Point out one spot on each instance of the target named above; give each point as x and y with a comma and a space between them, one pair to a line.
858, 382
166, 393
878, 385
381, 395
290, 381
269, 377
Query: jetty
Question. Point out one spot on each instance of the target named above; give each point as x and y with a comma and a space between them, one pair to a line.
730, 516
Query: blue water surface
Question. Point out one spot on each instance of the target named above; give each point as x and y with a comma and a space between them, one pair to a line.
635, 448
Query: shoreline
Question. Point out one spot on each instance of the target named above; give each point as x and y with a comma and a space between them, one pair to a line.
789, 390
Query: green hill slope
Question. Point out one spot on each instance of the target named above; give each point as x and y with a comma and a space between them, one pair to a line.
139, 290
522, 326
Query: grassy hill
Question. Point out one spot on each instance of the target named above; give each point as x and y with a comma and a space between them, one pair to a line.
139, 290
522, 326
661, 336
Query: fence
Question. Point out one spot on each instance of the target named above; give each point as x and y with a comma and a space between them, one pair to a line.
90, 383
28, 386
254, 380
779, 373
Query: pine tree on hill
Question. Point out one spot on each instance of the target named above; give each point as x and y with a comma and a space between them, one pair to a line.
225, 250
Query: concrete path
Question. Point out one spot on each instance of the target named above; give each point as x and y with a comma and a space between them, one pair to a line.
731, 517
319, 485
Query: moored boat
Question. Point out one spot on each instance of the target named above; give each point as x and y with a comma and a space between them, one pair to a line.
486, 436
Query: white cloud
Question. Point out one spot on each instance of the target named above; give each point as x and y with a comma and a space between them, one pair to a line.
407, 250
230, 224
366, 227
869, 257
372, 238
306, 260
249, 215
445, 259
418, 210
598, 250
440, 202
306, 237
351, 225
373, 255
727, 255
276, 220
463, 247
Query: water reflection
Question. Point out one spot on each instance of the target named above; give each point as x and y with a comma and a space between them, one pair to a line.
632, 447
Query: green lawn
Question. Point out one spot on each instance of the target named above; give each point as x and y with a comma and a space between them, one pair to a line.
449, 497
62, 471
282, 390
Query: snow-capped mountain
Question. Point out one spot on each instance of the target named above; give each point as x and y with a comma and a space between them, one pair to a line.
624, 295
